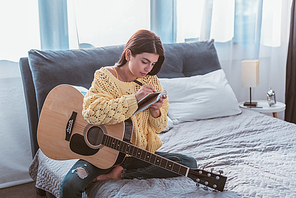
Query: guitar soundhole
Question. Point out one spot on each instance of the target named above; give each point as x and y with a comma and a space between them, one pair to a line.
95, 135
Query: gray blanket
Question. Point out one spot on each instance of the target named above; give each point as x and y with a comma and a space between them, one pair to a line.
255, 151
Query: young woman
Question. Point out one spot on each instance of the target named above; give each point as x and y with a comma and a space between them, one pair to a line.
112, 99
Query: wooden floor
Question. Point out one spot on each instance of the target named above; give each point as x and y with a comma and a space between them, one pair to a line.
27, 190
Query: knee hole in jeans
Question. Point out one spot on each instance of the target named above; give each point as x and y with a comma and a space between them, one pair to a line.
81, 172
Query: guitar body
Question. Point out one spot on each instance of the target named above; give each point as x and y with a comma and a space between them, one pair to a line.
63, 133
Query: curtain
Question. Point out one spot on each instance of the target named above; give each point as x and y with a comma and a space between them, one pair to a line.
102, 23
163, 20
19, 33
95, 23
53, 19
290, 114
242, 30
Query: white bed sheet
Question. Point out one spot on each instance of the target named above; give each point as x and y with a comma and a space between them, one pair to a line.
255, 151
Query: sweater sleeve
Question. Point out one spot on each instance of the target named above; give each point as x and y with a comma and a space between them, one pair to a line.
158, 124
102, 107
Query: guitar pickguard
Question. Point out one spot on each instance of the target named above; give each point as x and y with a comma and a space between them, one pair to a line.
78, 145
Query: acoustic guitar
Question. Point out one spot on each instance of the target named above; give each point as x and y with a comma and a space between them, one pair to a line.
63, 134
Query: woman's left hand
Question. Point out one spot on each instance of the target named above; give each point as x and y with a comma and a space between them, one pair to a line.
154, 108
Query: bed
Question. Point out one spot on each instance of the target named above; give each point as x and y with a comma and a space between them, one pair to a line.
254, 151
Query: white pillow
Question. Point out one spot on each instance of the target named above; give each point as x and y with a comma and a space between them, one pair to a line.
200, 97
83, 90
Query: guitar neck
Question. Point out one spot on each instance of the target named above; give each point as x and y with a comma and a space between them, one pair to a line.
206, 178
144, 155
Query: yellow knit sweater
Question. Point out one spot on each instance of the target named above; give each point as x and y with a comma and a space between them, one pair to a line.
111, 101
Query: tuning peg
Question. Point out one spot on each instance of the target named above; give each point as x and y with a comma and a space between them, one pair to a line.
221, 172
212, 170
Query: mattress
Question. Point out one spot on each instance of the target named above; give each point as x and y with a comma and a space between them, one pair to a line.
255, 151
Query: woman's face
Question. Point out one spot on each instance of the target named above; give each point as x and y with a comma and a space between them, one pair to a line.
141, 64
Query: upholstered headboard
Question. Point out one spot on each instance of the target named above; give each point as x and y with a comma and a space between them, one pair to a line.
43, 70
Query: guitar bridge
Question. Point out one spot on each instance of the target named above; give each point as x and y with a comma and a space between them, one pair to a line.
70, 125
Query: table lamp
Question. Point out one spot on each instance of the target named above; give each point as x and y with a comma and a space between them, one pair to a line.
250, 77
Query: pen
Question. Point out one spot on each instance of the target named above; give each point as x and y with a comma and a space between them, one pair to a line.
139, 83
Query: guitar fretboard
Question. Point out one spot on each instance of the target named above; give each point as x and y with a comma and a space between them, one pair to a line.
144, 155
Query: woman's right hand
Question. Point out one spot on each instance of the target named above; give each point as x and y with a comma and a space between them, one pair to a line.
143, 91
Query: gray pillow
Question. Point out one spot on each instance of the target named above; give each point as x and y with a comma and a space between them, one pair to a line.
189, 59
76, 67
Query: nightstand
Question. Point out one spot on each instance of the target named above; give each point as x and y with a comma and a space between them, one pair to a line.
263, 107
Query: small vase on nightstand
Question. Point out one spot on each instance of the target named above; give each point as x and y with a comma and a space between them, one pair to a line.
271, 97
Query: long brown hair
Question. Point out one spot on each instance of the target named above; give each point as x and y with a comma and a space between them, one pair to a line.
144, 41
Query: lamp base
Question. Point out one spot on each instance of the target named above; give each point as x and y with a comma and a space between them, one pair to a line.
250, 104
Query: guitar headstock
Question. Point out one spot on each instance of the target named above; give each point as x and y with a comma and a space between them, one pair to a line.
210, 179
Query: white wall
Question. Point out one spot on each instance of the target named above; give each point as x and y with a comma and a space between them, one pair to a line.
19, 33
15, 146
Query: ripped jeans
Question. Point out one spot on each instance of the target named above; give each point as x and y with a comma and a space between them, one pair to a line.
82, 172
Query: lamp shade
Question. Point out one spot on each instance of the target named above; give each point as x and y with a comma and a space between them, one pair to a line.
250, 73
